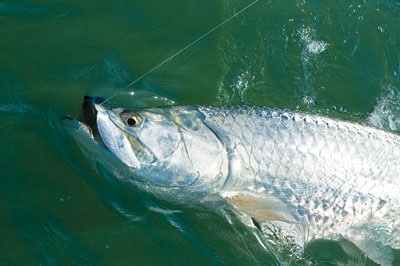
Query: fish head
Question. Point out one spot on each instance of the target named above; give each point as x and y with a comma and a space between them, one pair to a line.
166, 146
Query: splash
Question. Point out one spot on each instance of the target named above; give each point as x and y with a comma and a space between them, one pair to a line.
308, 58
237, 89
312, 46
386, 113
241, 84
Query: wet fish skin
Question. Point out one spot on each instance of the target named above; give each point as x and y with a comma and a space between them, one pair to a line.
336, 178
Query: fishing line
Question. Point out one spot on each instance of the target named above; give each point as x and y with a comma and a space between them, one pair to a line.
183, 49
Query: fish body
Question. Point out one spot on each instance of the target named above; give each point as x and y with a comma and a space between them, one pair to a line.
340, 178
330, 178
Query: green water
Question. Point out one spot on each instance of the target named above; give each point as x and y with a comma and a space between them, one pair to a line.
337, 58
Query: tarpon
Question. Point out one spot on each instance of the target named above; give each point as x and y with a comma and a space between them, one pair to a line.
296, 173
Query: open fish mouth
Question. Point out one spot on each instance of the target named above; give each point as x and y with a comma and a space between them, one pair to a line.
88, 116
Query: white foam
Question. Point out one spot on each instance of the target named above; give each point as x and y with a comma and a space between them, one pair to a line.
386, 113
242, 84
316, 47
312, 46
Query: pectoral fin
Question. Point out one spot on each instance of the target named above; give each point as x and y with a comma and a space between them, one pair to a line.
261, 209
281, 228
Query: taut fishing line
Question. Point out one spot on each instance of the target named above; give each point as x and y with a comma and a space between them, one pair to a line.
182, 50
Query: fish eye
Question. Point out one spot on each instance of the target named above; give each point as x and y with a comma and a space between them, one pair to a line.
132, 119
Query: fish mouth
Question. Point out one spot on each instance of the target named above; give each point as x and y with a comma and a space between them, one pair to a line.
88, 116
102, 127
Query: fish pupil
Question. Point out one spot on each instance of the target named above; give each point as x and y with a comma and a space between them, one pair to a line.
131, 121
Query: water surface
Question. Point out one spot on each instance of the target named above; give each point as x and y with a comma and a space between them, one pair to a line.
337, 58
